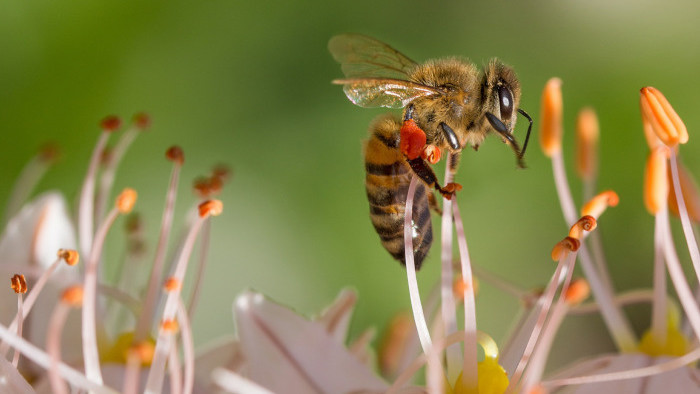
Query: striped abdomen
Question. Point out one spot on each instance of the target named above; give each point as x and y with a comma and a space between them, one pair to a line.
387, 181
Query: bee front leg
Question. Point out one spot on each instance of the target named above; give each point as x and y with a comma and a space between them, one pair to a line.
426, 173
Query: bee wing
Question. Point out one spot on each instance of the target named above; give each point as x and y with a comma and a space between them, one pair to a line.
383, 92
364, 57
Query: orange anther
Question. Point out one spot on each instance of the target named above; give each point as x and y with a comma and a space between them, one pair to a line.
656, 182
585, 223
73, 296
126, 200
169, 326
111, 123
211, 207
578, 291
172, 284
18, 284
664, 120
563, 247
144, 351
460, 286
175, 154
412, 140
201, 187
551, 120
50, 152
597, 205
221, 171
70, 256
587, 132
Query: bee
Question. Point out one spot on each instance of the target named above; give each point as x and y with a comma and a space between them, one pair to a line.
447, 104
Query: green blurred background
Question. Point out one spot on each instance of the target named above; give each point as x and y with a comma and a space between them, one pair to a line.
248, 84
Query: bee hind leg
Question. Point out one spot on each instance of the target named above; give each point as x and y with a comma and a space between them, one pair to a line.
427, 174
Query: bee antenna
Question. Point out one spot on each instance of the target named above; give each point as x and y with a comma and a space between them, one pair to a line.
529, 128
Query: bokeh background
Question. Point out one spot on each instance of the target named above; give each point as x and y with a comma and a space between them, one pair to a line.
248, 84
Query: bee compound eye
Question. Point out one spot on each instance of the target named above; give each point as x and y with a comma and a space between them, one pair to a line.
505, 100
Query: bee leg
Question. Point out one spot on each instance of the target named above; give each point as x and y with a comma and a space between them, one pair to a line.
426, 173
412, 139
433, 204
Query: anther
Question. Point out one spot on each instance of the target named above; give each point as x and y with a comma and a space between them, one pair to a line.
144, 351
551, 121
201, 187
142, 120
586, 223
126, 200
663, 119
18, 284
563, 247
73, 296
459, 286
111, 123
172, 284
578, 291
133, 223
656, 182
170, 326
175, 154
587, 132
70, 256
50, 153
597, 205
221, 171
211, 208
215, 185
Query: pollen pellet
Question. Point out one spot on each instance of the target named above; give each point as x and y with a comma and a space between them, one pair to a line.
126, 200
169, 326
175, 154
70, 256
18, 284
664, 120
211, 207
73, 296
111, 123
551, 120
172, 284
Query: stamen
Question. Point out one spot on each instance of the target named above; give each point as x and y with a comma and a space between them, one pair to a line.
30, 176
126, 200
664, 120
598, 204
187, 347
233, 382
174, 369
578, 291
86, 205
70, 256
19, 285
201, 187
201, 266
564, 247
72, 298
587, 134
685, 219
222, 171
393, 346
551, 119
155, 376
172, 284
143, 324
652, 140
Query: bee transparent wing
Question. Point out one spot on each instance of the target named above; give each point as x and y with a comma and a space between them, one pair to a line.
364, 57
383, 92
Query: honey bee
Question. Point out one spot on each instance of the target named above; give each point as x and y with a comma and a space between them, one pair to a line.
447, 105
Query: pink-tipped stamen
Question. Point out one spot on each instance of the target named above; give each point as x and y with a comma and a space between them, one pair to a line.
86, 214
20, 319
204, 241
418, 315
187, 347
470, 379
154, 383
53, 346
447, 305
144, 322
89, 327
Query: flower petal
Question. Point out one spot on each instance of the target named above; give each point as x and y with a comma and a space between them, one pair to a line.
287, 353
337, 316
11, 381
